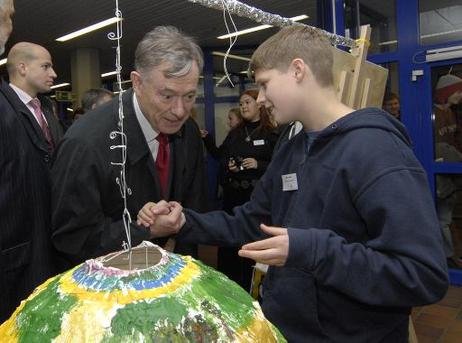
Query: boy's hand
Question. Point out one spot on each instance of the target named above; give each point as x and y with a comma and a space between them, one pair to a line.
169, 219
162, 219
272, 251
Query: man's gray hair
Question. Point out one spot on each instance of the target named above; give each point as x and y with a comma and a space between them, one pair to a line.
167, 44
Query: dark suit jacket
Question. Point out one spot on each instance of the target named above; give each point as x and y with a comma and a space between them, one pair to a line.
87, 203
26, 251
56, 128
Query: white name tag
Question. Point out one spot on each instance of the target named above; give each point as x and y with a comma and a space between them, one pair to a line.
259, 142
289, 182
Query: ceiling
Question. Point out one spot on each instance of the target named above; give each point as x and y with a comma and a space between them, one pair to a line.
43, 21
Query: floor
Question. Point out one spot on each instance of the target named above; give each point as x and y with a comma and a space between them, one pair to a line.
441, 322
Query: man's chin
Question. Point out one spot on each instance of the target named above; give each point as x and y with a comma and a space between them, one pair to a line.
170, 129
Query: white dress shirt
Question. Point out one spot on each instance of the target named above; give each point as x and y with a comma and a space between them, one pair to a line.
26, 98
149, 133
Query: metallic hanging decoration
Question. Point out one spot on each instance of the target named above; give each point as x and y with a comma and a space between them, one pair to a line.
119, 136
243, 10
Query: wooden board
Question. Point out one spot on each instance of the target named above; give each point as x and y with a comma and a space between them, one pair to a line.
359, 83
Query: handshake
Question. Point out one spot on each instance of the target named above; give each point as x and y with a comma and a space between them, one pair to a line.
163, 218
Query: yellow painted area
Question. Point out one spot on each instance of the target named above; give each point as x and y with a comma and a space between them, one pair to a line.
260, 330
87, 322
122, 297
8, 330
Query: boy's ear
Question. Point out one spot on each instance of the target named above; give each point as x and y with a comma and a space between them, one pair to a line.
298, 69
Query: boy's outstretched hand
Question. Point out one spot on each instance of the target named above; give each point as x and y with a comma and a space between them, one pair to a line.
272, 251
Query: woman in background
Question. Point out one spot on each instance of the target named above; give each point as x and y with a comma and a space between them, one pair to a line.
244, 157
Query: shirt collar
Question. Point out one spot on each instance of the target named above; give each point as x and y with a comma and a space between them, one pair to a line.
25, 98
149, 133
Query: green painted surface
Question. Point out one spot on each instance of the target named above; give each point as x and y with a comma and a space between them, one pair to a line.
40, 319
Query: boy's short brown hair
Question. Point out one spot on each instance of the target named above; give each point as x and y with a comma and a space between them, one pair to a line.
296, 41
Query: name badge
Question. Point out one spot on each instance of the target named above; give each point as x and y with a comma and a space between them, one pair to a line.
259, 142
289, 182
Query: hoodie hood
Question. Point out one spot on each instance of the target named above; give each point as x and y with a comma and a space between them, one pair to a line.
372, 118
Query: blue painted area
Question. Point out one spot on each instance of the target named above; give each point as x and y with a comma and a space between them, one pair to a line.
455, 277
98, 281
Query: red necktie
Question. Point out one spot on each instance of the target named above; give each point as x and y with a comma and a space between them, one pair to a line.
162, 162
35, 103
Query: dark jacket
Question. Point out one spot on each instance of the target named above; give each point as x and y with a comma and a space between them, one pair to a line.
364, 239
55, 126
27, 256
87, 203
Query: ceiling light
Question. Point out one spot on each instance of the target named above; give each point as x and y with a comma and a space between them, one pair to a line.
109, 73
88, 29
2, 61
236, 57
60, 85
258, 28
69, 109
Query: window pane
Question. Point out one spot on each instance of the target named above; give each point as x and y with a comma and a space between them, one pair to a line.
449, 209
381, 15
447, 111
440, 21
391, 101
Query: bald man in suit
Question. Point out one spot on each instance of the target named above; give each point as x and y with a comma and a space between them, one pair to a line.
27, 255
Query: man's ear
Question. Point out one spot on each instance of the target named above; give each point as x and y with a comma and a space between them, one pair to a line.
136, 80
22, 69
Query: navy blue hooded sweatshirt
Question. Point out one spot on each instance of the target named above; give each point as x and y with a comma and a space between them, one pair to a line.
364, 240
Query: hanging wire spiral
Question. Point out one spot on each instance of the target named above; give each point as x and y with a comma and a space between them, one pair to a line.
120, 137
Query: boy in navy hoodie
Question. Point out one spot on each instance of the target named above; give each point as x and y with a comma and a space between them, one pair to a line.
343, 215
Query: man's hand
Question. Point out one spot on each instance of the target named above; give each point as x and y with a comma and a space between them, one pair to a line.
147, 214
163, 219
272, 251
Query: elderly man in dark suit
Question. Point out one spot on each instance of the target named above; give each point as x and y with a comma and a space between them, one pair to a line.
164, 152
31, 73
26, 250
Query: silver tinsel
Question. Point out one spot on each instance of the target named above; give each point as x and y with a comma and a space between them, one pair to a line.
242, 10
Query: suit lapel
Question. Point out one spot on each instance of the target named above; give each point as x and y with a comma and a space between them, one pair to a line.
27, 118
137, 147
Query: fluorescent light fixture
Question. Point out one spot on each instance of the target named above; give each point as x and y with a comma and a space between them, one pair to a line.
65, 84
2, 61
214, 77
430, 35
88, 29
258, 28
70, 109
390, 42
444, 53
109, 73
236, 57
436, 34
